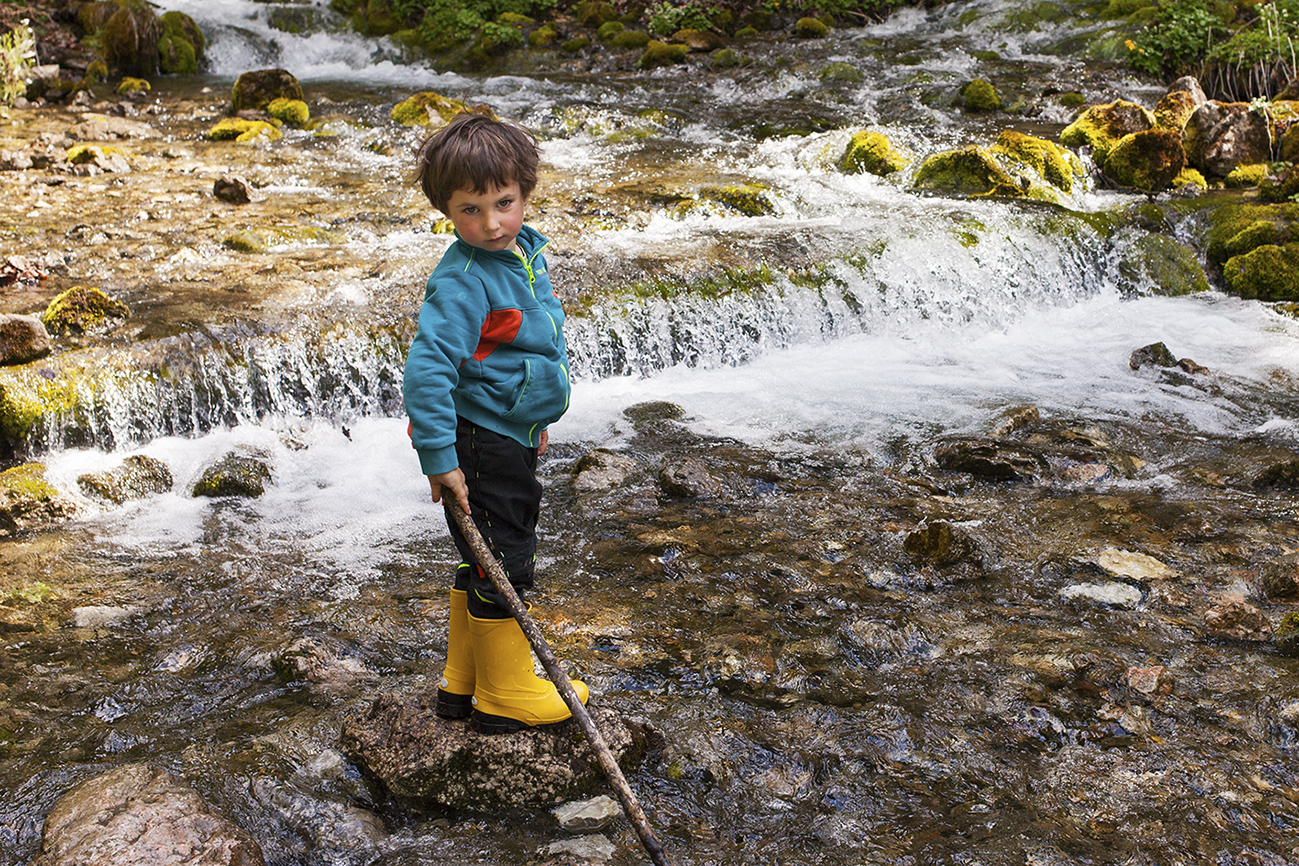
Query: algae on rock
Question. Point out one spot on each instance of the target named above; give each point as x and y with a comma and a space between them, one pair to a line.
871, 152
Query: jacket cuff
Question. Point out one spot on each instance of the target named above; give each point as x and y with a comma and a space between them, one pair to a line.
438, 460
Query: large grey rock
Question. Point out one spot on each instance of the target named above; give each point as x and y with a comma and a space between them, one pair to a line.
435, 762
1222, 135
22, 339
139, 815
602, 469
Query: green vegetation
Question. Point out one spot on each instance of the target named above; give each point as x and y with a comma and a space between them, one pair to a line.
17, 55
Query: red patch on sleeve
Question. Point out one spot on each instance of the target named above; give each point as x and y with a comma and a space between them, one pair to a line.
502, 326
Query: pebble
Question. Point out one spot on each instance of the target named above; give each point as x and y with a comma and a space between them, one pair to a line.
587, 816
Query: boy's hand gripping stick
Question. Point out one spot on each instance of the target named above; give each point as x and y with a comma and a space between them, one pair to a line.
630, 805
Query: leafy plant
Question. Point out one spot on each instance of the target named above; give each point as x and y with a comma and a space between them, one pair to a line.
1177, 39
17, 55
667, 18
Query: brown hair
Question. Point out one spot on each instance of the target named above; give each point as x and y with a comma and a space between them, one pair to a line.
476, 152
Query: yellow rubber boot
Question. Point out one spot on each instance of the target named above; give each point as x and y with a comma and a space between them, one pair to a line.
456, 690
509, 695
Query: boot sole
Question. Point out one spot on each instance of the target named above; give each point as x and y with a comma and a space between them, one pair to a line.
453, 706
486, 723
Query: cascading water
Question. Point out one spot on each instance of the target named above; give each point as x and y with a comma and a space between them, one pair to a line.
849, 325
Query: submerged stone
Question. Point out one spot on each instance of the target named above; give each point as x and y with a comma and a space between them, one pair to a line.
140, 815
941, 544
602, 469
689, 477
1112, 594
1133, 565
1159, 265
587, 816
1283, 475
1286, 638
428, 761
996, 461
1233, 618
750, 199
1280, 577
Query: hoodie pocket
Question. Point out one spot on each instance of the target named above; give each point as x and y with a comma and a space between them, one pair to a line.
541, 395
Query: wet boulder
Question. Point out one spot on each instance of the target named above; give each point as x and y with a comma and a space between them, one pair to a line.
980, 96
258, 89
293, 112
1051, 162
1234, 618
307, 660
22, 339
232, 189
84, 310
750, 199
1148, 161
688, 478
180, 45
433, 109
1286, 637
994, 461
1158, 265
28, 500
431, 762
659, 54
137, 477
234, 475
970, 170
1100, 127
871, 152
602, 469
99, 127
1156, 355
1184, 96
1269, 272
130, 40
1222, 135
89, 160
140, 815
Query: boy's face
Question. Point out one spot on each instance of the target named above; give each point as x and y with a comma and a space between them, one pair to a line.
490, 220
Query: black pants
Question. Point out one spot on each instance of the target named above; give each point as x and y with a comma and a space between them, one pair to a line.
504, 501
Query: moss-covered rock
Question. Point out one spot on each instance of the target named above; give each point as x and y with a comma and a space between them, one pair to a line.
259, 88
593, 13
133, 85
238, 129
22, 339
1159, 265
1174, 109
1268, 273
138, 476
750, 199
658, 54
129, 40
576, 44
294, 112
234, 475
1286, 638
1190, 177
971, 171
27, 499
83, 310
181, 46
543, 37
1282, 189
609, 29
871, 152
1246, 175
811, 28
1148, 161
840, 71
1101, 126
980, 96
433, 109
1290, 144
631, 39
1055, 164
1235, 229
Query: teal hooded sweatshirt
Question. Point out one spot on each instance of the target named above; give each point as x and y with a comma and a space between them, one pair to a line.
490, 348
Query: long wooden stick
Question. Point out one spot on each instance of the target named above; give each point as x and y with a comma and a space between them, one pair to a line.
630, 805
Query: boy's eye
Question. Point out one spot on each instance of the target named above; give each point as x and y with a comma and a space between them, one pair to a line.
504, 203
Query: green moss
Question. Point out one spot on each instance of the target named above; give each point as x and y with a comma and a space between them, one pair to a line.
841, 72
730, 281
1237, 228
514, 19
82, 310
726, 58
1246, 175
20, 409
294, 112
247, 241
1190, 177
746, 32
133, 85
871, 152
1101, 126
608, 30
1163, 266
986, 56
969, 170
181, 46
575, 45
1286, 638
238, 129
658, 54
1072, 99
980, 96
80, 154
1150, 160
750, 199
631, 39
543, 37
811, 28
1268, 273
28, 482
430, 109
1174, 109
1052, 162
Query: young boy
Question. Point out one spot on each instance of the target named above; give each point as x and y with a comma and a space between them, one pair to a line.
487, 373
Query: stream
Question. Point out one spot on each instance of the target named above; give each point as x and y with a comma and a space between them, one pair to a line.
822, 696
